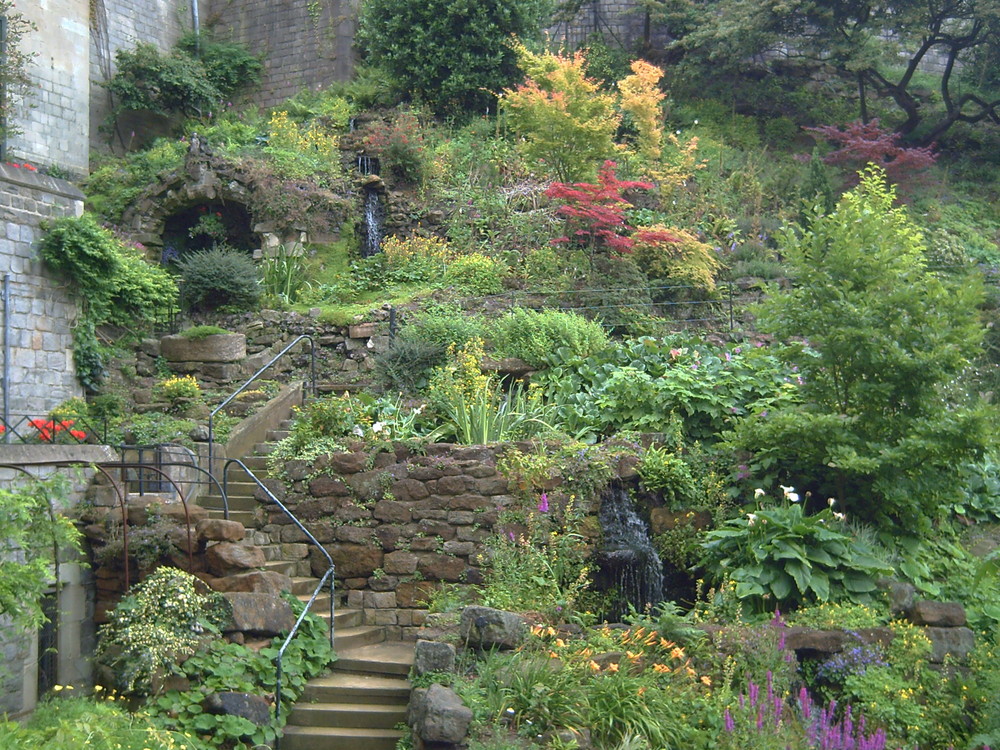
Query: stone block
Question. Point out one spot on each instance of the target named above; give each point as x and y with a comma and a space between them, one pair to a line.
400, 563
438, 715
221, 347
255, 582
938, 614
218, 530
432, 656
259, 614
954, 642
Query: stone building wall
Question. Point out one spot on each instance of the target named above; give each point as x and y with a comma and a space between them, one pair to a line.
41, 313
53, 121
20, 656
121, 24
305, 45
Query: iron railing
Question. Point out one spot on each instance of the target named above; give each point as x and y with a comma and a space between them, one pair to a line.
254, 377
328, 576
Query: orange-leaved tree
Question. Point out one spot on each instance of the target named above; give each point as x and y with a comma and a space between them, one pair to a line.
567, 122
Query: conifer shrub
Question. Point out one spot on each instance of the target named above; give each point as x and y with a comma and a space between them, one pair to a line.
219, 279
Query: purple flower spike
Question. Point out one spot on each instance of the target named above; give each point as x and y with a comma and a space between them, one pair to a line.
543, 503
730, 724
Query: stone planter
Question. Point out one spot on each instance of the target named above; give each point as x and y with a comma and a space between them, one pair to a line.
219, 347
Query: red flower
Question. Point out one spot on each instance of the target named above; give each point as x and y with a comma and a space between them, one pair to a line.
78, 434
2, 429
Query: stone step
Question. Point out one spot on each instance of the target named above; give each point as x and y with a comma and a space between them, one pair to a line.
263, 449
356, 637
273, 436
236, 502
245, 517
348, 715
344, 687
286, 424
285, 567
304, 585
383, 658
256, 464
338, 738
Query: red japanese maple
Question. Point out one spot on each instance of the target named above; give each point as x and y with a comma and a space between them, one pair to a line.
595, 212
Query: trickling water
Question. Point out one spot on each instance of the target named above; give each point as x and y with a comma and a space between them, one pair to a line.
367, 164
374, 219
629, 562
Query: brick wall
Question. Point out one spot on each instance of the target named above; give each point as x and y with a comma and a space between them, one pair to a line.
306, 45
41, 311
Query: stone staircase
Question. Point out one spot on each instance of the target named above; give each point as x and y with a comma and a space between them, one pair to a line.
360, 703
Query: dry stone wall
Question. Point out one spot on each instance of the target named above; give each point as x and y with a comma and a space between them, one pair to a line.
396, 523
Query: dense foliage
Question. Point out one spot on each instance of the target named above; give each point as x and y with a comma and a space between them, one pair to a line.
452, 55
34, 539
195, 79
882, 338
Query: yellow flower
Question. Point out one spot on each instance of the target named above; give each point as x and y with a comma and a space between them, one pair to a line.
677, 653
560, 643
706, 680
613, 666
594, 666
661, 668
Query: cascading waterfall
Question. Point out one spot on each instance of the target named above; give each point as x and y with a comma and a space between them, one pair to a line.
374, 210
629, 563
374, 220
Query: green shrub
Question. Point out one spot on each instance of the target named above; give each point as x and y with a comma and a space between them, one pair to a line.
195, 79
406, 364
534, 335
476, 274
442, 324
878, 423
30, 529
63, 723
218, 279
665, 471
114, 282
158, 622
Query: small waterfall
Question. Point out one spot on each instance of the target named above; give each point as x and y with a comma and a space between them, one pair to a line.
629, 563
374, 220
367, 164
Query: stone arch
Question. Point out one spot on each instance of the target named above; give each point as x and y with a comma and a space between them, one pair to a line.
204, 181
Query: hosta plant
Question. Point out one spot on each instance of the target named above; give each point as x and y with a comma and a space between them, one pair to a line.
781, 555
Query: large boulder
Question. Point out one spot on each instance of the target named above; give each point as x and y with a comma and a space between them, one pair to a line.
486, 628
433, 656
438, 715
246, 705
262, 615
227, 558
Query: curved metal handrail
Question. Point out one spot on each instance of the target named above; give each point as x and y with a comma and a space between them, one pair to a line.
238, 391
327, 576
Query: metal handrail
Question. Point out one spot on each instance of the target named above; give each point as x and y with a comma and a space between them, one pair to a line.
238, 391
327, 576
